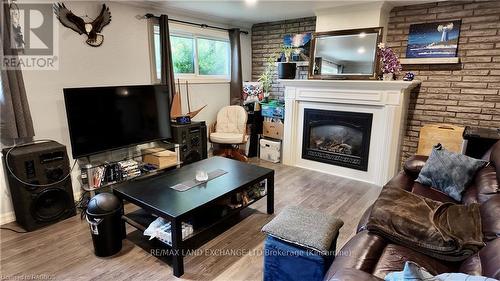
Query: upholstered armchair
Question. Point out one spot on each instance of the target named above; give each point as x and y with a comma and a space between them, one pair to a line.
229, 132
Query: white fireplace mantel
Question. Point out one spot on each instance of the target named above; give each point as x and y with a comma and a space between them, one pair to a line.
386, 100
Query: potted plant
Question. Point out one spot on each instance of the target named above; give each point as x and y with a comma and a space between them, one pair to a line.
266, 78
390, 62
287, 69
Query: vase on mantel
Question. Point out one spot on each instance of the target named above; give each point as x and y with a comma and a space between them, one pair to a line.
388, 76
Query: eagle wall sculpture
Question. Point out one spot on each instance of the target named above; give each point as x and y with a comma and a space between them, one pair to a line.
91, 29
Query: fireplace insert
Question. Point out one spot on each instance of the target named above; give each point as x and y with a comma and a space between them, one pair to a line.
337, 137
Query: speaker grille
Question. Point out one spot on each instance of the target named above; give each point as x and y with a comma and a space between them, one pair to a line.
192, 156
50, 204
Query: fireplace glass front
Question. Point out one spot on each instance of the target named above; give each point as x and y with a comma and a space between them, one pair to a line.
337, 137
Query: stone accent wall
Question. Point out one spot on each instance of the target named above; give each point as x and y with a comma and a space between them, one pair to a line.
461, 94
266, 40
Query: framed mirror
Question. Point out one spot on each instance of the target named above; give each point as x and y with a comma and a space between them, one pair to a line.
345, 54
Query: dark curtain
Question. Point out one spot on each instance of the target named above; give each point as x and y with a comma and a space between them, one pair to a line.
16, 122
167, 67
236, 85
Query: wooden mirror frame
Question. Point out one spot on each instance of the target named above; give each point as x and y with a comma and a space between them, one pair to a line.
376, 73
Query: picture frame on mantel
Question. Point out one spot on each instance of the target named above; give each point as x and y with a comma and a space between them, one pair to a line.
433, 43
345, 54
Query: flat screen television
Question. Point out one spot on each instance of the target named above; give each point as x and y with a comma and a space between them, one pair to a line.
107, 118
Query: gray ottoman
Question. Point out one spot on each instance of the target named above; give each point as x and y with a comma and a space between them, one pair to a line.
300, 244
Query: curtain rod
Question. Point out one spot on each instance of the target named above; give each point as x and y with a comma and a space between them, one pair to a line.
193, 23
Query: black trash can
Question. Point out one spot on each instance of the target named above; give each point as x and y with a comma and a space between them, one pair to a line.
104, 215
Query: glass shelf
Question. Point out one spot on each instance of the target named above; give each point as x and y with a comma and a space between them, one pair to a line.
102, 162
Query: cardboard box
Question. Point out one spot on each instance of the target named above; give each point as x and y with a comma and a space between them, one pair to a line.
159, 157
273, 130
450, 136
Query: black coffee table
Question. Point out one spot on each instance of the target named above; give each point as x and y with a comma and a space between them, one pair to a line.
155, 196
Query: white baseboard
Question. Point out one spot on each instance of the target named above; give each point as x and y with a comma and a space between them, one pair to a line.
7, 217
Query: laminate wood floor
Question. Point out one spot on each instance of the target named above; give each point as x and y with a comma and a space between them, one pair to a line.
64, 251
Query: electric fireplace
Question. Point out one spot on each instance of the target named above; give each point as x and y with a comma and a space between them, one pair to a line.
337, 137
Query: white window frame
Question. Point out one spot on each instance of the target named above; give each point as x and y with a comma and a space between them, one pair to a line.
195, 33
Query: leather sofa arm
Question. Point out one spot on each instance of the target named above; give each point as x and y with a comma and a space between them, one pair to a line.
364, 219
489, 218
414, 164
401, 180
361, 252
351, 274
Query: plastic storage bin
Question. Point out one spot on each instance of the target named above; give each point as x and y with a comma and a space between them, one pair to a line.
270, 150
273, 109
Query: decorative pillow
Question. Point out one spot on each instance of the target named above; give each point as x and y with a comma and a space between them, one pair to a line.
449, 172
413, 272
252, 92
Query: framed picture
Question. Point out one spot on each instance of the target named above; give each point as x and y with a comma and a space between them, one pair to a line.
433, 40
301, 44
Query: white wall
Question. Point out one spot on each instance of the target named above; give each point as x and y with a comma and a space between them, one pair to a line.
123, 59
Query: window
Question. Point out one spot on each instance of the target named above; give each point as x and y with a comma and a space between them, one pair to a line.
194, 56
182, 54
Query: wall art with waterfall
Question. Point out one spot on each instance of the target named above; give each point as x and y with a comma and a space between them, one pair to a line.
301, 45
433, 40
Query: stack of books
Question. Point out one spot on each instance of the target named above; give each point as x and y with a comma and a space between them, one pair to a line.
129, 169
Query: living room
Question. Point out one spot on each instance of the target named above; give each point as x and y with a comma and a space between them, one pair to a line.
139, 137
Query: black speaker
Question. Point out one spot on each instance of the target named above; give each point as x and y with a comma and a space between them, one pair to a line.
45, 200
192, 139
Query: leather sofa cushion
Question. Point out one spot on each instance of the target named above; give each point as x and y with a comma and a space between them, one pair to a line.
470, 195
431, 193
414, 165
486, 183
485, 263
351, 274
394, 257
490, 218
484, 186
361, 252
495, 158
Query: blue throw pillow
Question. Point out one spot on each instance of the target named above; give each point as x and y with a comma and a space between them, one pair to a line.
449, 172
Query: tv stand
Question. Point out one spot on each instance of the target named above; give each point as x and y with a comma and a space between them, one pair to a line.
106, 170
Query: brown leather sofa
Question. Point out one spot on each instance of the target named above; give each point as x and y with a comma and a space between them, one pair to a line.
367, 256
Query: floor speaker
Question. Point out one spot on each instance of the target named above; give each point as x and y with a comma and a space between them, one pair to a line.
40, 189
192, 139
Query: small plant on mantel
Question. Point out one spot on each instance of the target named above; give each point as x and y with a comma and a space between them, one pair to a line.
287, 52
390, 62
266, 78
